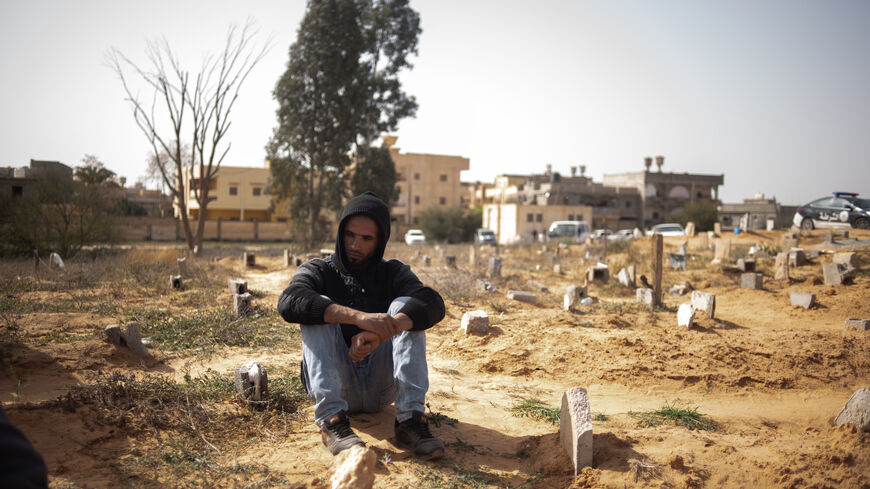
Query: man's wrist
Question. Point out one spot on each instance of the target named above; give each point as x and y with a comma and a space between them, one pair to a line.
404, 321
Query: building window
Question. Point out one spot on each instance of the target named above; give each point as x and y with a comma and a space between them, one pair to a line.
212, 198
530, 217
234, 190
416, 220
400, 177
442, 201
257, 191
539, 218
627, 204
416, 176
416, 199
17, 191
570, 217
443, 178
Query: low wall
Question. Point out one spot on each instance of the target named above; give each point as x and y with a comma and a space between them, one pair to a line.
168, 229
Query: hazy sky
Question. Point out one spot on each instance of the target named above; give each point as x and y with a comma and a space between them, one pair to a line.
773, 94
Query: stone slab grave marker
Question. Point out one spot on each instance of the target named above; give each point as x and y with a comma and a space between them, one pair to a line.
288, 258
538, 286
129, 337
242, 304
626, 279
723, 250
703, 241
797, 258
450, 260
427, 260
802, 299
175, 282
685, 315
690, 228
678, 261
522, 296
857, 324
249, 259
252, 382
575, 427
704, 301
472, 256
680, 289
837, 274
645, 296
182, 266
789, 241
781, 266
55, 261
475, 322
850, 259
856, 411
598, 273
494, 266
557, 269
752, 280
746, 264
573, 295
237, 286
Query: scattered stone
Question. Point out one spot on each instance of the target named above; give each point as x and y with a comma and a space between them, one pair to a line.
746, 264
850, 259
450, 260
858, 324
484, 285
175, 281
427, 261
685, 315
704, 301
242, 304
182, 266
113, 334
252, 382
678, 262
475, 322
522, 296
797, 258
752, 280
133, 339
803, 299
781, 266
55, 261
354, 468
856, 411
495, 266
237, 286
575, 427
573, 295
645, 296
599, 273
837, 274
249, 259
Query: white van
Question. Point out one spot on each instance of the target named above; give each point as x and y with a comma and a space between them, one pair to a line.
574, 230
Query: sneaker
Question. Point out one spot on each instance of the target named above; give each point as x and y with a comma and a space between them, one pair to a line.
337, 435
414, 434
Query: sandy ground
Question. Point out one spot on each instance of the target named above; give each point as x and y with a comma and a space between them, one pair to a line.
771, 375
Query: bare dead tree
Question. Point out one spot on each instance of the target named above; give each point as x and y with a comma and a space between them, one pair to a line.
183, 109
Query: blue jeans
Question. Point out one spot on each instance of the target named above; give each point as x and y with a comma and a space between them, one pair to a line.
395, 371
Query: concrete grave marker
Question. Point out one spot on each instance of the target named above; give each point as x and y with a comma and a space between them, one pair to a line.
113, 334
797, 258
55, 261
573, 295
475, 322
837, 274
781, 266
856, 411
678, 262
704, 301
485, 285
625, 278
857, 324
850, 259
789, 241
427, 260
326, 252
598, 273
472, 255
575, 427
522, 296
703, 241
450, 260
133, 339
746, 264
752, 280
182, 266
679, 289
175, 281
242, 304
645, 296
723, 249
690, 228
538, 286
685, 315
717, 228
237, 286
252, 382
557, 269
494, 266
803, 299
288, 258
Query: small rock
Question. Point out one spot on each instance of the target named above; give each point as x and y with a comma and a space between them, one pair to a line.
857, 324
802, 299
475, 322
856, 411
522, 296
113, 334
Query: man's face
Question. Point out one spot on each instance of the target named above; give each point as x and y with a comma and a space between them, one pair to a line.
360, 240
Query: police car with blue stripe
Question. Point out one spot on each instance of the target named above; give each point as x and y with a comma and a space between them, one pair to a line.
844, 209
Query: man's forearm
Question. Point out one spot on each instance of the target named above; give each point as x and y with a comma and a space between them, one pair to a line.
339, 314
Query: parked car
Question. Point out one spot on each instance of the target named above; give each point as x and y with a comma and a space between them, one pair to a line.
844, 209
415, 236
667, 229
574, 230
484, 236
621, 234
601, 233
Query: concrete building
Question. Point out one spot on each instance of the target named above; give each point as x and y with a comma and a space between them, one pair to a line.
236, 193
21, 182
153, 202
525, 223
756, 213
425, 180
663, 194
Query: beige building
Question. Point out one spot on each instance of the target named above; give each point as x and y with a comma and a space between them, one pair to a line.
425, 180
236, 193
523, 223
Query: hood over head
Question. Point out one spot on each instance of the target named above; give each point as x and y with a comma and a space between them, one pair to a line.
367, 204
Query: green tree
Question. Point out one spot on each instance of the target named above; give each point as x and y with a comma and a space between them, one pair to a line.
93, 172
450, 224
340, 91
378, 175
703, 213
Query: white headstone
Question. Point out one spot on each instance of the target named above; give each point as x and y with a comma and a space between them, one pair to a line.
475, 322
685, 315
704, 301
575, 427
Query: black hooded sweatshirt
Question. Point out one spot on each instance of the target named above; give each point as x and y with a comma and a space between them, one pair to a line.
371, 290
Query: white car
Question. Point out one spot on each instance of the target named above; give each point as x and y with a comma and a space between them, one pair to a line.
667, 229
621, 234
415, 236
